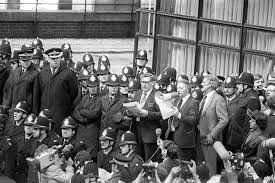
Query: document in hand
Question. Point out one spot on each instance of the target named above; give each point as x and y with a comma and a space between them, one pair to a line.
133, 107
166, 107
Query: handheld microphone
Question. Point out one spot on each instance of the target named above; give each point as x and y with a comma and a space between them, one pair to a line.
222, 152
158, 132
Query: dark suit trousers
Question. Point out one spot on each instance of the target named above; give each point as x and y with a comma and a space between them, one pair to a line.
188, 153
149, 150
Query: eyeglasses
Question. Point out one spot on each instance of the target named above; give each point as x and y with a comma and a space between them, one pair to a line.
145, 82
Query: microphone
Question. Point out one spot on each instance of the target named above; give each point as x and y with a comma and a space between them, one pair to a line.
269, 143
158, 132
222, 152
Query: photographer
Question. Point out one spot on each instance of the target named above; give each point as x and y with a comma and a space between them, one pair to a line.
255, 136
71, 146
55, 174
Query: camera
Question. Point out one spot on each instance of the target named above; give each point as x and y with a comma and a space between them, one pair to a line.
149, 170
185, 172
237, 160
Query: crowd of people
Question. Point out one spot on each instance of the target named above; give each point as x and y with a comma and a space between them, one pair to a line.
68, 122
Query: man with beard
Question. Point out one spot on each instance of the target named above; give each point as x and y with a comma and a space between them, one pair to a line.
58, 85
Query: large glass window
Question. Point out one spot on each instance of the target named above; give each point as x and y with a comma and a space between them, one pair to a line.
223, 36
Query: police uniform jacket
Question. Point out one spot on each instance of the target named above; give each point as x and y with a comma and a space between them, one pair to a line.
4, 74
58, 93
112, 112
135, 164
77, 145
149, 124
15, 132
88, 115
185, 128
233, 133
47, 141
248, 100
104, 91
103, 160
25, 87
6, 100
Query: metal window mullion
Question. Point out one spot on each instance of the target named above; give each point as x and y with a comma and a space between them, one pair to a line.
198, 37
243, 36
156, 31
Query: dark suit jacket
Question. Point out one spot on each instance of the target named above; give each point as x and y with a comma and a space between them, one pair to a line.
25, 87
149, 124
185, 128
214, 117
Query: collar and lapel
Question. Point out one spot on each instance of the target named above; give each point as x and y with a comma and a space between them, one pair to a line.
208, 103
115, 99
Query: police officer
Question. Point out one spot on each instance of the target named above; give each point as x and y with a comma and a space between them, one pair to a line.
37, 44
49, 115
232, 133
196, 81
67, 59
248, 100
128, 149
37, 58
25, 148
5, 52
88, 114
123, 84
104, 156
69, 141
171, 73
163, 81
103, 72
41, 131
58, 85
103, 59
82, 85
14, 61
15, 128
89, 60
129, 72
141, 61
24, 82
133, 87
112, 108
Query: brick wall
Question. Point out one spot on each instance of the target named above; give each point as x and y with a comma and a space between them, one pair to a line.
66, 25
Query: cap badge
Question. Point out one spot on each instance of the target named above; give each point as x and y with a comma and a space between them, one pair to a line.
66, 46
156, 86
141, 53
103, 58
27, 45
126, 70
169, 88
66, 122
124, 78
87, 58
194, 94
104, 133
194, 79
35, 51
18, 105
35, 42
228, 80
113, 78
85, 72
131, 84
102, 67
92, 78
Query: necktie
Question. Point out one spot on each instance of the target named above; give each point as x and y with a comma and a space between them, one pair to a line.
54, 70
202, 104
143, 98
179, 104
